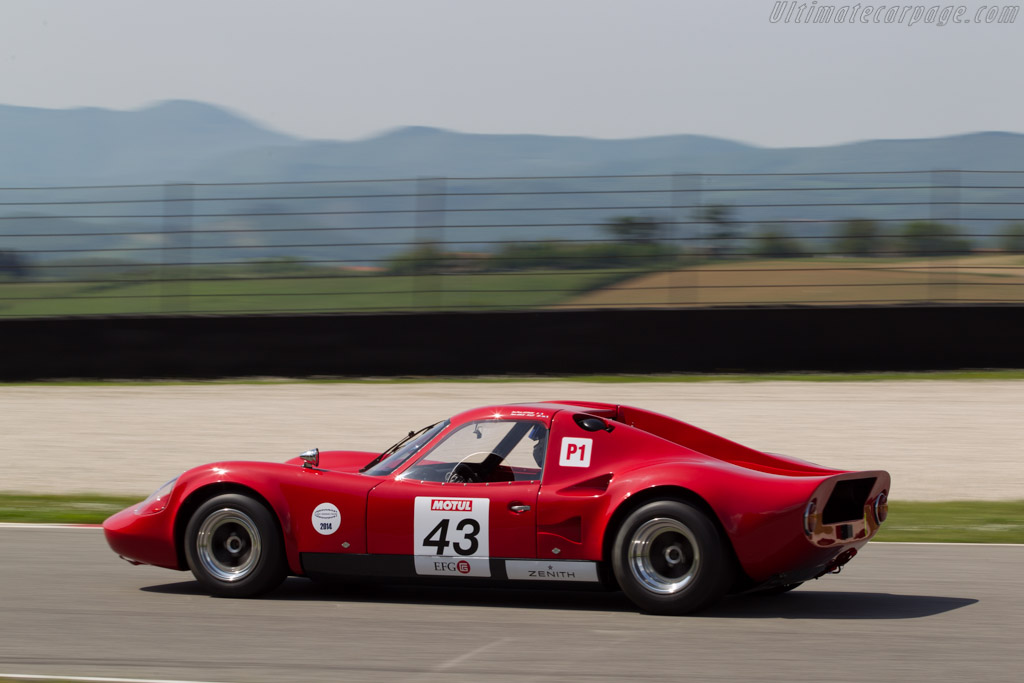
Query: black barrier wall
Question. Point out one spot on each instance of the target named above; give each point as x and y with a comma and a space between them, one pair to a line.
534, 342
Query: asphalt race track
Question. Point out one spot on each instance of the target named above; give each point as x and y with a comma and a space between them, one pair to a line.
898, 613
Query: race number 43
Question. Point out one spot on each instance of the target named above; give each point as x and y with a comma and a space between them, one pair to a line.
450, 536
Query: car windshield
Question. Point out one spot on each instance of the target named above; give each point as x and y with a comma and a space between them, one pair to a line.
388, 461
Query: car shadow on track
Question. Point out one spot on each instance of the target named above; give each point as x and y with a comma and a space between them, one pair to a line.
298, 589
812, 604
835, 605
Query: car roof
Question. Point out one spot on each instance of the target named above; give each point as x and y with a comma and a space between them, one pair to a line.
538, 410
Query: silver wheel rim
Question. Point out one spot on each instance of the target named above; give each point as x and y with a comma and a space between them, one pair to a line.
228, 544
664, 556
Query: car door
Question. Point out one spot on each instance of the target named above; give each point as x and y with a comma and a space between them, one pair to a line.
463, 527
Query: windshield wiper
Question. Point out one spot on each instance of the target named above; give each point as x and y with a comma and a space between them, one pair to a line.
398, 445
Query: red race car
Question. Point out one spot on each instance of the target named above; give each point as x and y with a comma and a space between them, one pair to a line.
544, 493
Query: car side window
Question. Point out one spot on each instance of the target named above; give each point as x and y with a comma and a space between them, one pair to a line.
486, 451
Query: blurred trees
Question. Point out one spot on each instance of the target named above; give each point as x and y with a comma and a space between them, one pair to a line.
13, 265
634, 229
636, 246
931, 238
723, 235
639, 244
570, 256
1013, 239
773, 241
421, 260
861, 237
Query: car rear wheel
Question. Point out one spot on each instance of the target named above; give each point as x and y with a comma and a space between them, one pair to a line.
669, 558
234, 548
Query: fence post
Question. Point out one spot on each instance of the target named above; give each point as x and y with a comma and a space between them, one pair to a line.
430, 220
684, 184
176, 271
945, 192
954, 218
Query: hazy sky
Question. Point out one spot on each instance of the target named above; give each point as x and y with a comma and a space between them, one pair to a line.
343, 69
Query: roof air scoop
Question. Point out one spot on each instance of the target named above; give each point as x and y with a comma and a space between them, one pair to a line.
311, 458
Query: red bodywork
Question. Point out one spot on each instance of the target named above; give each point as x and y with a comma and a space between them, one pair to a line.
786, 520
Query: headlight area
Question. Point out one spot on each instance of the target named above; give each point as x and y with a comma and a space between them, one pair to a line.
158, 501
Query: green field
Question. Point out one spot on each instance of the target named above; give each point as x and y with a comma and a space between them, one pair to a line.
296, 289
957, 375
317, 293
933, 522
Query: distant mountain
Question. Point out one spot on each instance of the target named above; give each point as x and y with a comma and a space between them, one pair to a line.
417, 151
990, 151
164, 142
192, 141
369, 223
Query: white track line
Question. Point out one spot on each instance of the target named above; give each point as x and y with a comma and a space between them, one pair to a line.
455, 661
94, 679
995, 545
45, 525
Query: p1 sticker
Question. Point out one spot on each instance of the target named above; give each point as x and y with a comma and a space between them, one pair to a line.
326, 519
450, 536
575, 452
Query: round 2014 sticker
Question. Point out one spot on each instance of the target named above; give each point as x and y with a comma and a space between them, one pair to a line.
326, 519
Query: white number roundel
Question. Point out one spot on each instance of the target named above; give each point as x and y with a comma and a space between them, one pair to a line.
326, 519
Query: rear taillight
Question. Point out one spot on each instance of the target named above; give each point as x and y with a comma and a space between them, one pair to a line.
881, 507
811, 517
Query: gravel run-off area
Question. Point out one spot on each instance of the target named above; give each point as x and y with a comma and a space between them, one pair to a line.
940, 440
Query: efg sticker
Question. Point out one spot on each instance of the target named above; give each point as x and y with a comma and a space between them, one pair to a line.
575, 452
326, 519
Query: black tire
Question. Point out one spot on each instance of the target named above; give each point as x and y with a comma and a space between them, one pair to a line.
234, 548
669, 558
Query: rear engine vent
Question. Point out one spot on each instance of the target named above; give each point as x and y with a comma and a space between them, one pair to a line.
847, 500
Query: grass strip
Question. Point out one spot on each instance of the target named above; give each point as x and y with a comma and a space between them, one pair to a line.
955, 522
933, 522
958, 375
62, 509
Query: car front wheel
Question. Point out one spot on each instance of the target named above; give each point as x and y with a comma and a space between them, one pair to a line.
669, 558
233, 547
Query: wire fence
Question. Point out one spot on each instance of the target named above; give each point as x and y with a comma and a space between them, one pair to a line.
433, 244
